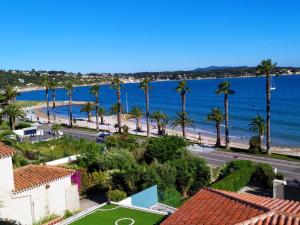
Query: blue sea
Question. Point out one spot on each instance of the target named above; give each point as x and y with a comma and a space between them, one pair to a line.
248, 101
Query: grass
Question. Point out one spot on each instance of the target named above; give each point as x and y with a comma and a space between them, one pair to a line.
109, 217
273, 156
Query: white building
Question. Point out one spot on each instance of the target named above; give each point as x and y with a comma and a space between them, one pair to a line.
31, 193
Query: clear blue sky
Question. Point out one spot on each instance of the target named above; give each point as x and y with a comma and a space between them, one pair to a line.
152, 35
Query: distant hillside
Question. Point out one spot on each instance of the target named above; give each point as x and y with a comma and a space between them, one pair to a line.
210, 68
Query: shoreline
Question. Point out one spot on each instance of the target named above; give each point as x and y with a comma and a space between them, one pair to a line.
111, 120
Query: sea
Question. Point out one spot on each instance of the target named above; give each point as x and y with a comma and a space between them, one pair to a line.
249, 100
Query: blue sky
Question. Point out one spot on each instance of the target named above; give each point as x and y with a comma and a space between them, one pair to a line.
152, 35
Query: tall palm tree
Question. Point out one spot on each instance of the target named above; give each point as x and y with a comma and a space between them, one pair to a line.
137, 113
216, 116
10, 93
45, 81
13, 112
56, 128
144, 85
224, 88
101, 113
265, 68
88, 108
161, 120
94, 90
182, 117
116, 84
69, 88
183, 89
52, 86
258, 126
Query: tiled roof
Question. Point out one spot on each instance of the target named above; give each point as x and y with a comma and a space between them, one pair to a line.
216, 207
5, 151
31, 176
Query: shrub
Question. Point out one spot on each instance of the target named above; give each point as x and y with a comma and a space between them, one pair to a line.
279, 176
171, 197
30, 155
9, 222
121, 141
22, 125
67, 214
255, 145
263, 175
116, 195
165, 148
98, 181
234, 166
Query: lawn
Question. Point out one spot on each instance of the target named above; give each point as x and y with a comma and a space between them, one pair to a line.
116, 215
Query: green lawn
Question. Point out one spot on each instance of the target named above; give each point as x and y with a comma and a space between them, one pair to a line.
109, 217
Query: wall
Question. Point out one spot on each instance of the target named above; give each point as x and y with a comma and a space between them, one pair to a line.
7, 176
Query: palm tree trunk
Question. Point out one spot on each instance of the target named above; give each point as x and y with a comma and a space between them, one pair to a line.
119, 111
96, 109
47, 101
218, 143
102, 120
268, 93
70, 111
147, 110
226, 121
89, 116
11, 123
183, 115
137, 123
53, 106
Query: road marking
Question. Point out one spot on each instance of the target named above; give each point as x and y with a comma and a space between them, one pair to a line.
132, 221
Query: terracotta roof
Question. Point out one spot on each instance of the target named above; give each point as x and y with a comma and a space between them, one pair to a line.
216, 207
5, 151
31, 176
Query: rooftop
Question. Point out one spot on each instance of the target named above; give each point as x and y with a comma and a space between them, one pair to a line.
216, 207
5, 151
31, 176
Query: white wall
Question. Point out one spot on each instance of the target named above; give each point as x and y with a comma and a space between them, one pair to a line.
6, 177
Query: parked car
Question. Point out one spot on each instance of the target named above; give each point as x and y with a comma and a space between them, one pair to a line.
102, 136
60, 133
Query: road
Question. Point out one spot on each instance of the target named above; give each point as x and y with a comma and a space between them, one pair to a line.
290, 169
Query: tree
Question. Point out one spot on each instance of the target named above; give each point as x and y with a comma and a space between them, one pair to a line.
69, 88
258, 126
182, 119
216, 115
224, 88
88, 108
94, 90
265, 68
56, 128
13, 112
46, 82
101, 113
144, 85
10, 93
137, 113
53, 85
116, 84
183, 89
161, 120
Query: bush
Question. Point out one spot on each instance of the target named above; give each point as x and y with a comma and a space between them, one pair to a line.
171, 197
121, 141
67, 214
30, 155
9, 222
263, 175
165, 148
234, 166
22, 125
98, 181
255, 145
116, 195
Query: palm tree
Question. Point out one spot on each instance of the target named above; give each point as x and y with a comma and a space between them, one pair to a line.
53, 85
88, 108
161, 120
94, 90
116, 84
216, 115
56, 128
45, 81
137, 113
101, 113
183, 89
224, 88
182, 117
13, 112
69, 88
10, 93
258, 126
265, 68
144, 85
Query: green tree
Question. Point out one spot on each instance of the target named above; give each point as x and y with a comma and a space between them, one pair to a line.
46, 82
13, 112
69, 88
258, 126
145, 86
53, 85
88, 108
216, 116
161, 120
265, 68
137, 113
183, 89
56, 128
224, 89
182, 119
101, 114
116, 84
94, 90
10, 93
